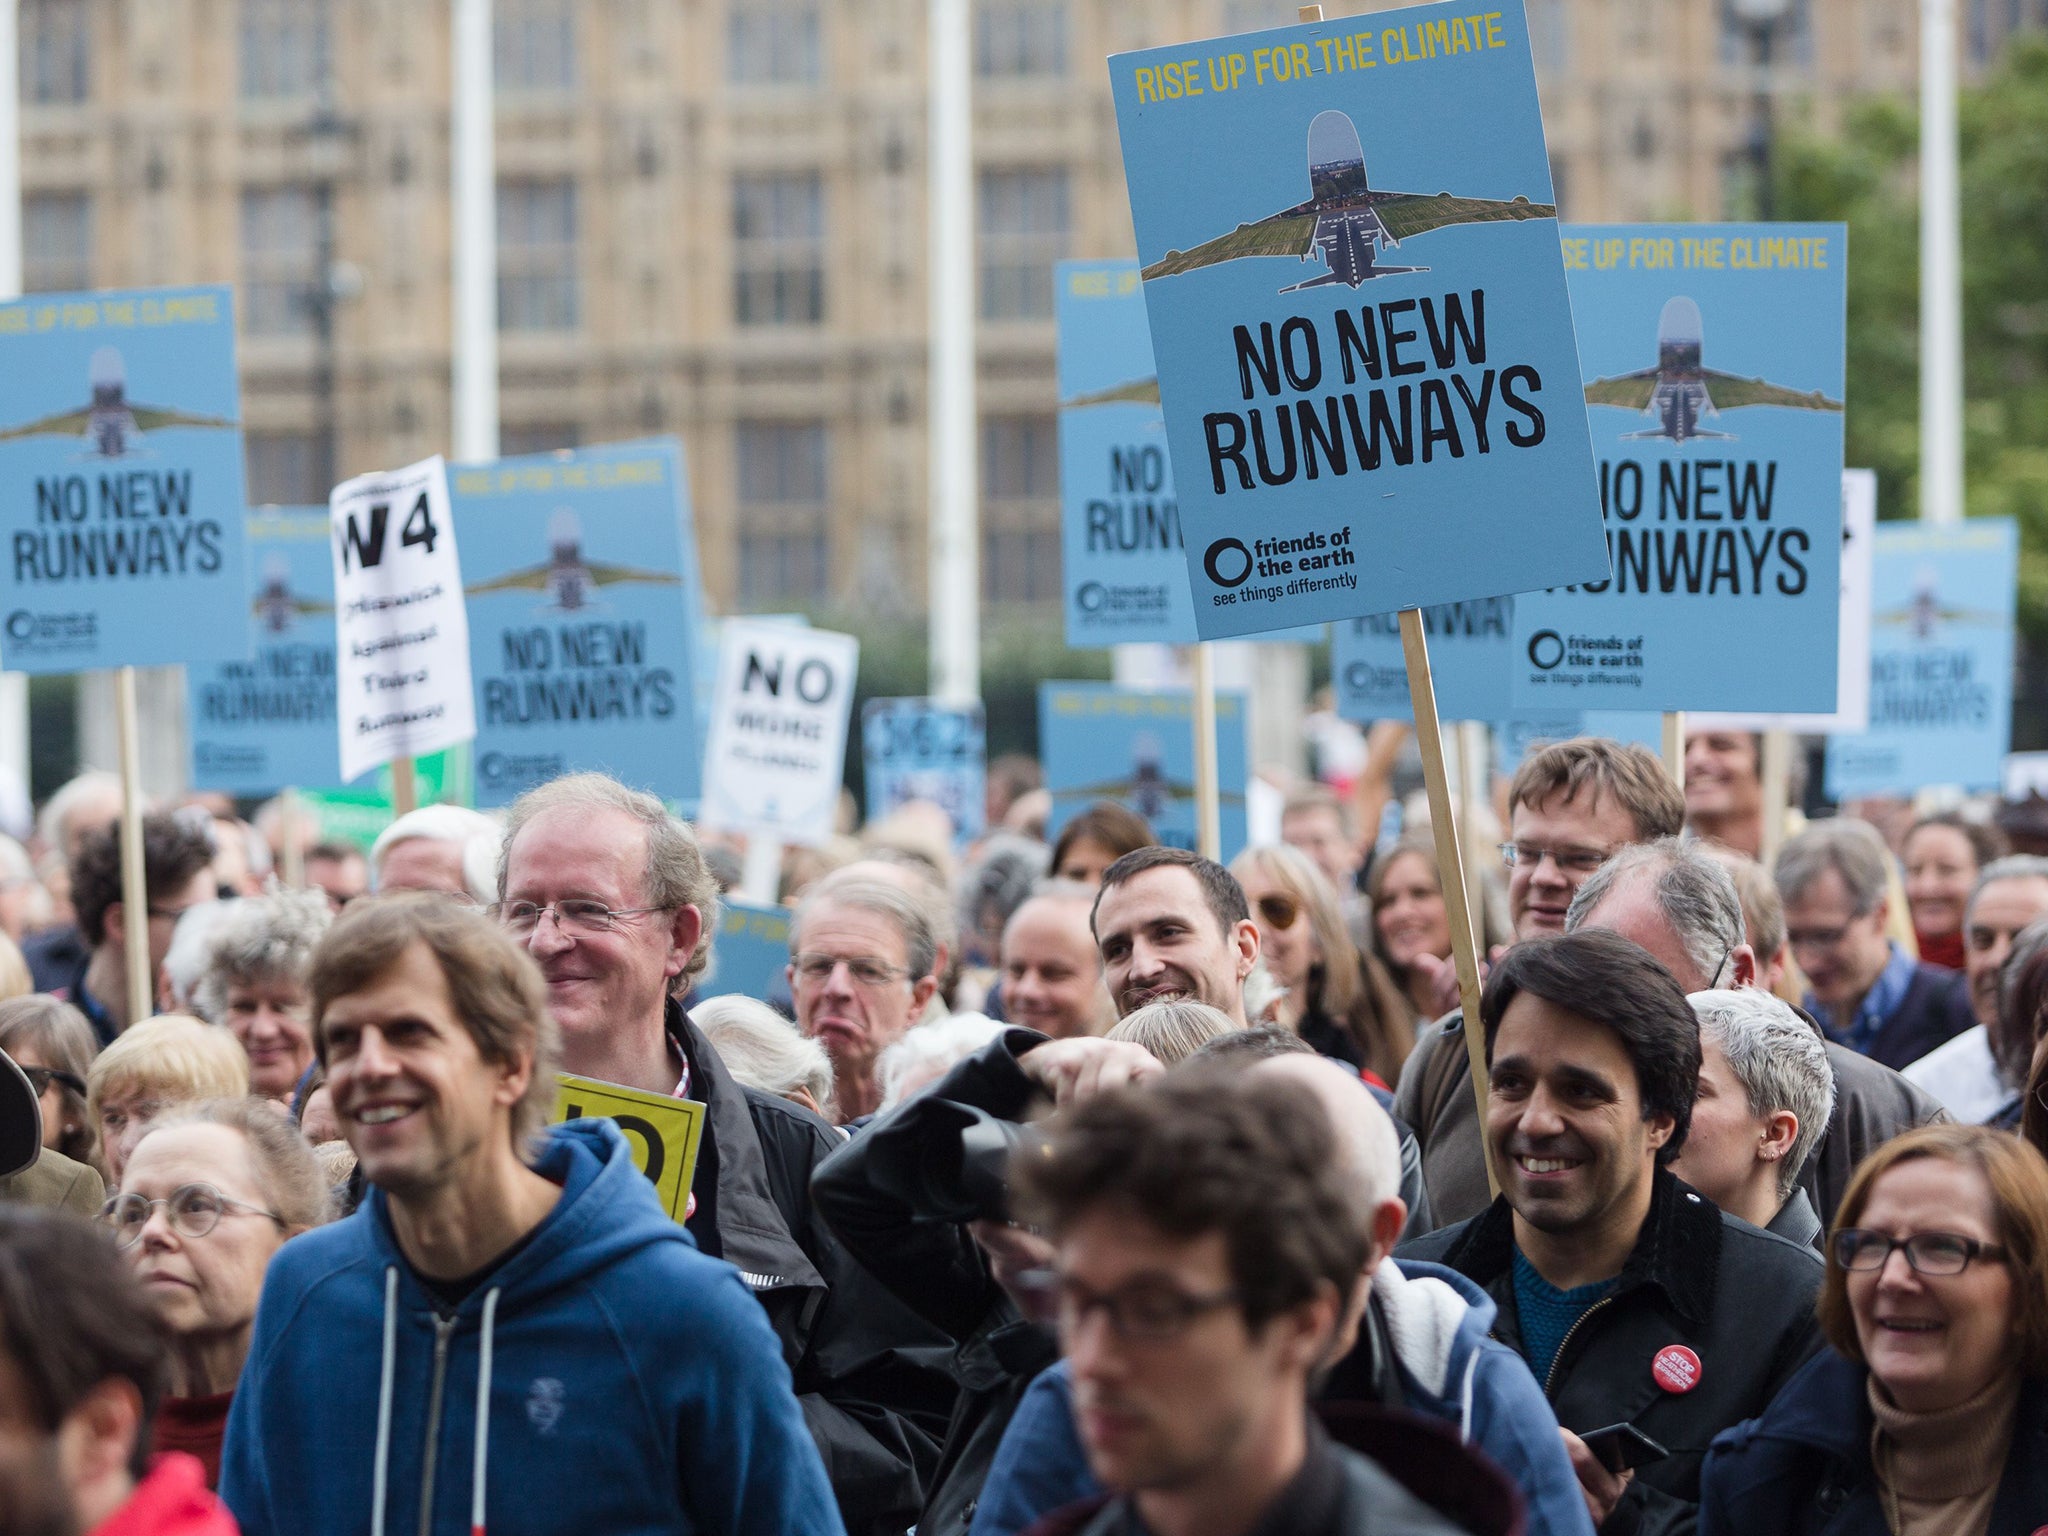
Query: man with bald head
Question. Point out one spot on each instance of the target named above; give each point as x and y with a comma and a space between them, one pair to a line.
1051, 969
1421, 1339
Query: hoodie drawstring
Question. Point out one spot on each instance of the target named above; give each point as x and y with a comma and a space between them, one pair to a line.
383, 1464
483, 1413
1465, 1397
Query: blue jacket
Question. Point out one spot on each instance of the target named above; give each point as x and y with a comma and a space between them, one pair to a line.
609, 1377
1803, 1467
1430, 1322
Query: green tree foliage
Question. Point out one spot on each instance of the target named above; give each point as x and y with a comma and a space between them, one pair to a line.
1868, 176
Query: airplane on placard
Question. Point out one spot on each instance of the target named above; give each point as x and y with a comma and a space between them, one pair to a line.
1147, 790
1923, 613
277, 608
1345, 220
569, 581
1680, 393
111, 424
1143, 391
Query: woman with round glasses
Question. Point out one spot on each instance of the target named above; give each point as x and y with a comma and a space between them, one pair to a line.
1929, 1416
209, 1195
1339, 1001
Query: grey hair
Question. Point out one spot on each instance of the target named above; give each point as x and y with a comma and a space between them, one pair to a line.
1002, 876
477, 835
676, 875
1694, 891
58, 808
1173, 1030
763, 1050
911, 917
1852, 849
259, 939
15, 868
2014, 866
1779, 1060
292, 1178
185, 962
942, 1045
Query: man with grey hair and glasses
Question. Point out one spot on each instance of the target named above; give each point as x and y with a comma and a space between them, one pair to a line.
1966, 1073
1766, 1093
861, 970
1867, 992
611, 896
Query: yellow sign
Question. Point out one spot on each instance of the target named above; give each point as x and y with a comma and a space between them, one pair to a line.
664, 1133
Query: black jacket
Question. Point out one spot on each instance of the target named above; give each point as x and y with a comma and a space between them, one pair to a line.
869, 1373
1872, 1105
1935, 1009
1803, 1468
1740, 1299
933, 1264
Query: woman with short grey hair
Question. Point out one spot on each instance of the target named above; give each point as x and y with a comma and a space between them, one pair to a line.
762, 1049
255, 983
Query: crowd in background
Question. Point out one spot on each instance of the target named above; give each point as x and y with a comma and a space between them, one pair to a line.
1060, 1184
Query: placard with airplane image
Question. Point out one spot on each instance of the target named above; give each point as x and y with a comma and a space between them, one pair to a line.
1358, 310
1941, 659
1471, 653
1137, 746
1713, 358
260, 725
121, 495
581, 578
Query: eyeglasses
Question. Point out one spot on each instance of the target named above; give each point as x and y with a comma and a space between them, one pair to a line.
1569, 861
582, 917
815, 970
1928, 1253
40, 1078
1279, 910
1146, 1312
195, 1210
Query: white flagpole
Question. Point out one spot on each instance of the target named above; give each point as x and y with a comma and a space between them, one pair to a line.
953, 560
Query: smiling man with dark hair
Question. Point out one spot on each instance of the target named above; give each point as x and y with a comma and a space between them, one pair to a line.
1632, 1297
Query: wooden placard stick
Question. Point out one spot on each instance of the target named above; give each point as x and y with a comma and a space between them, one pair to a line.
1674, 746
1776, 773
1429, 738
134, 871
405, 787
1208, 802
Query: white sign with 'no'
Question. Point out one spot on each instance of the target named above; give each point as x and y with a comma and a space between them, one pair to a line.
777, 750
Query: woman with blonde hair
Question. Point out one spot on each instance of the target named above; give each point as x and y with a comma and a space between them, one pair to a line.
157, 1065
1173, 1030
1411, 925
1339, 1001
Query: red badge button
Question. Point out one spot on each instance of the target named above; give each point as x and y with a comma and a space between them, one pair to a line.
1676, 1368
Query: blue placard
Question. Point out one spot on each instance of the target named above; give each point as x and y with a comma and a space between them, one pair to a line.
1371, 394
920, 749
581, 574
1470, 654
1713, 367
1517, 736
260, 725
121, 481
1941, 638
1124, 575
1101, 742
751, 952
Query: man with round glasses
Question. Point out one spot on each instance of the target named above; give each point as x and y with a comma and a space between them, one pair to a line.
611, 896
862, 957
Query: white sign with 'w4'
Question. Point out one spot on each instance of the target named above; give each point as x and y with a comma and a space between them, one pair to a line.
401, 632
777, 750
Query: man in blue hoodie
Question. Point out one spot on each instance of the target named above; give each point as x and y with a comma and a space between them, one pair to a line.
509, 1335
1423, 1345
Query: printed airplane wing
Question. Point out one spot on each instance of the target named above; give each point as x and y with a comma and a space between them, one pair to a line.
1123, 789
1629, 390
1729, 392
533, 579
1131, 391
154, 417
63, 424
614, 575
1291, 232
1412, 213
1906, 618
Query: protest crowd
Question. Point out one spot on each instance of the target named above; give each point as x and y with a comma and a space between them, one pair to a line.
1091, 1187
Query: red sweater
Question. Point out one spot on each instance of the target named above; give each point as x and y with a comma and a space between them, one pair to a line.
196, 1426
171, 1501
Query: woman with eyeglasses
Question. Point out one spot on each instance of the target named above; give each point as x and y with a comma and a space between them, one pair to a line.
1339, 1001
53, 1044
1929, 1416
208, 1198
